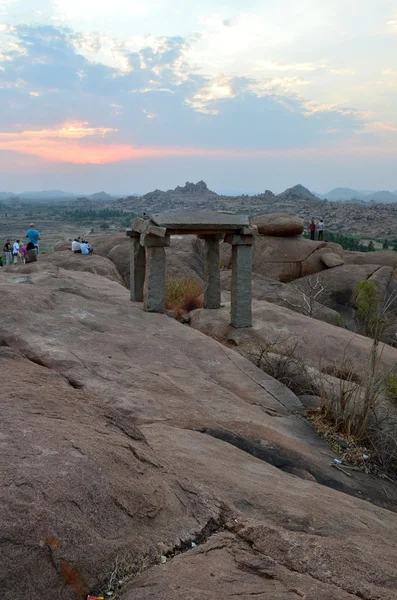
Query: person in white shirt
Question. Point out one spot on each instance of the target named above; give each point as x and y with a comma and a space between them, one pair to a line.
320, 229
15, 251
76, 247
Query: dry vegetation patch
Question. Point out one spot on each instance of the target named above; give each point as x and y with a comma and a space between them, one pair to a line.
183, 294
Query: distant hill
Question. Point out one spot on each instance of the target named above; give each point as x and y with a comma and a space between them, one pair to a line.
99, 196
46, 195
6, 195
298, 192
341, 193
346, 194
383, 196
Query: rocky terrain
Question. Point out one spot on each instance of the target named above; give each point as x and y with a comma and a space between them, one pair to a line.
371, 220
142, 457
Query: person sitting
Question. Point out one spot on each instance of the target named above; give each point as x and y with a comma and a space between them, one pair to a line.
33, 236
31, 253
76, 246
85, 248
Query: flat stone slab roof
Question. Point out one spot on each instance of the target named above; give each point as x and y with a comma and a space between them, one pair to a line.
191, 220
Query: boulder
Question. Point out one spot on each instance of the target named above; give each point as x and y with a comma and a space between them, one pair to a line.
381, 258
287, 295
339, 282
331, 259
286, 259
279, 224
318, 344
65, 259
132, 444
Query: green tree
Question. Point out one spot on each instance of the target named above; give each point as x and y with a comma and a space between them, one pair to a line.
104, 226
371, 246
385, 245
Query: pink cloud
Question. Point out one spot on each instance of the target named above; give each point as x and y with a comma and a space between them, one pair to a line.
65, 144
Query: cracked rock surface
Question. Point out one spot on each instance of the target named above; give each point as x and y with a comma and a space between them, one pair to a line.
126, 436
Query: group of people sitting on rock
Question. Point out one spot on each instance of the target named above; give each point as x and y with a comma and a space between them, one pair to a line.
319, 228
21, 252
80, 246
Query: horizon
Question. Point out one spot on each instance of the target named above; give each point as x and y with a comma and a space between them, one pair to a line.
227, 192
151, 95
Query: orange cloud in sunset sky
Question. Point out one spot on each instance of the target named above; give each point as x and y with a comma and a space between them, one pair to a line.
65, 144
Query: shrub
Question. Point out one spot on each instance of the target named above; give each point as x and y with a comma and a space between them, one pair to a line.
183, 294
390, 385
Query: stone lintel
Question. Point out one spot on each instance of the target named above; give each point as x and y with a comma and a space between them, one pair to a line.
239, 240
149, 241
200, 220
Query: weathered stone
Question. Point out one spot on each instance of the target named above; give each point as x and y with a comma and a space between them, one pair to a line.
212, 289
190, 220
137, 269
149, 241
241, 312
154, 288
251, 230
279, 224
139, 224
330, 259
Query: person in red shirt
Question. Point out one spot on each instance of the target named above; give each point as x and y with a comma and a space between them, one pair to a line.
312, 230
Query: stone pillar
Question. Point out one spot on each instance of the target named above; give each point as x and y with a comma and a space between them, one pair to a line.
241, 301
212, 289
154, 288
137, 268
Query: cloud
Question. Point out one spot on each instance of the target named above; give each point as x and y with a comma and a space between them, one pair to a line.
87, 99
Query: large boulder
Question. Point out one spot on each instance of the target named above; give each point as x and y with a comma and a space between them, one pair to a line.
132, 444
65, 259
286, 258
279, 224
287, 295
381, 258
318, 344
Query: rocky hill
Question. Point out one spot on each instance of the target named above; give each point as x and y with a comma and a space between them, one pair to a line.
371, 220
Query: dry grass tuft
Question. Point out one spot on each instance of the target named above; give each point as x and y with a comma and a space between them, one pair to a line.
183, 294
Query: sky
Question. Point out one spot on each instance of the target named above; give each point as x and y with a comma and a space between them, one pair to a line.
129, 95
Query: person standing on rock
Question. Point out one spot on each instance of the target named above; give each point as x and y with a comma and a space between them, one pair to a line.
33, 236
7, 249
320, 229
312, 229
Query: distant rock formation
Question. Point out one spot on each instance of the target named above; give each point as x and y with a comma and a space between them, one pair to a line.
298, 192
194, 188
